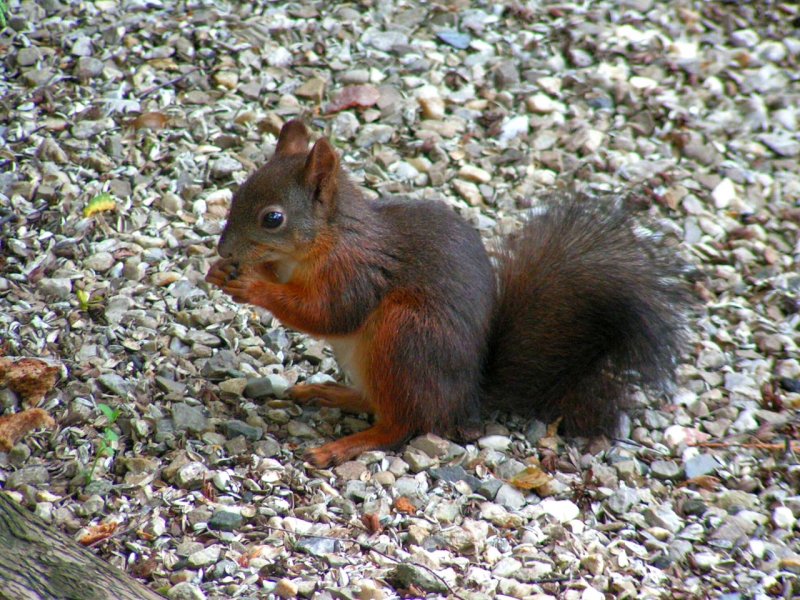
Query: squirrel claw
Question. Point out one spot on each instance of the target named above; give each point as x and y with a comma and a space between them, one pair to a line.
222, 272
321, 457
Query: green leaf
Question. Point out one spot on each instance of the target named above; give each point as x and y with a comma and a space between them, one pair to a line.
111, 435
112, 414
83, 299
100, 203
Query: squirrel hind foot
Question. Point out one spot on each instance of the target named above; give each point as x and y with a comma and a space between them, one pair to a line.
333, 453
382, 435
331, 395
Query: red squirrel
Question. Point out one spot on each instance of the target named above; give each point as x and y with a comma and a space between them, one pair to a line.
577, 310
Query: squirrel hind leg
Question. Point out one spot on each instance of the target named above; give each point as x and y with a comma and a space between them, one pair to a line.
382, 435
332, 395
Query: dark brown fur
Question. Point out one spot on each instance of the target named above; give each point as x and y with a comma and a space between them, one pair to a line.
407, 290
586, 310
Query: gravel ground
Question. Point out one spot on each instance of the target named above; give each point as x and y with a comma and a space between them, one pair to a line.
124, 126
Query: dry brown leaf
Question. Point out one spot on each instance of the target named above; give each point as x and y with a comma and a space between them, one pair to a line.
29, 377
250, 554
14, 427
372, 522
791, 563
360, 96
144, 567
552, 428
208, 490
530, 478
97, 533
551, 439
707, 482
150, 120
404, 505
163, 64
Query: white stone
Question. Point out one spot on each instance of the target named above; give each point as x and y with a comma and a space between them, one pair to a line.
495, 442
723, 193
206, 556
475, 174
783, 517
541, 103
594, 139
514, 127
643, 83
100, 261
744, 38
551, 85
561, 510
745, 422
592, 594
279, 57
468, 191
506, 567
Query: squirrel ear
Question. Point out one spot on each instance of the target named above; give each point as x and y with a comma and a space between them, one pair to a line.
321, 168
293, 138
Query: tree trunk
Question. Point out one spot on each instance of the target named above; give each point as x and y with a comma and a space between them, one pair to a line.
39, 563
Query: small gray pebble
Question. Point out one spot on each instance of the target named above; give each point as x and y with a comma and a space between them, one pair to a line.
225, 520
702, 464
188, 418
114, 384
667, 470
510, 497
258, 388
317, 546
234, 428
489, 488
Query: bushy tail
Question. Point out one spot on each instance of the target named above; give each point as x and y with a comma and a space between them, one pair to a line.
589, 305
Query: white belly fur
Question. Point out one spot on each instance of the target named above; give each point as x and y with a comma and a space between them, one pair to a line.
284, 269
345, 349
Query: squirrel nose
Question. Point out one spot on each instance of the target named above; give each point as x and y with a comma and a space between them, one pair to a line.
224, 249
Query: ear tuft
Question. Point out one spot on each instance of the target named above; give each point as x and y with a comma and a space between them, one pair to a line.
322, 166
293, 138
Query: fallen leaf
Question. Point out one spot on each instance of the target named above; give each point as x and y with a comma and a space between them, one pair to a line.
372, 522
150, 120
97, 533
530, 478
551, 439
100, 203
361, 96
144, 567
14, 427
404, 505
208, 491
29, 377
707, 482
250, 554
456, 39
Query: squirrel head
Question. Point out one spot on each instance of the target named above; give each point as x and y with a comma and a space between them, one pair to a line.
279, 213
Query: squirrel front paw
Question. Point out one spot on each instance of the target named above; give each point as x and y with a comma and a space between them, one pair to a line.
240, 284
221, 272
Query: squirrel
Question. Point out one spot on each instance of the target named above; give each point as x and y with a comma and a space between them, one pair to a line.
576, 309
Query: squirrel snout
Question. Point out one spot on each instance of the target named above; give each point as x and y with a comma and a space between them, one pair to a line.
224, 249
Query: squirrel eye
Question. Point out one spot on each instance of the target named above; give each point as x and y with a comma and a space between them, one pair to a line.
272, 219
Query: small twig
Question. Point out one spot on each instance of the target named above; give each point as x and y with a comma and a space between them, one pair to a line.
786, 446
201, 240
640, 445
369, 548
28, 135
170, 82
